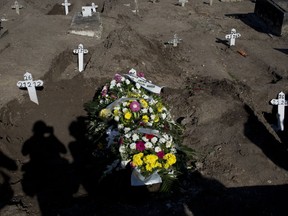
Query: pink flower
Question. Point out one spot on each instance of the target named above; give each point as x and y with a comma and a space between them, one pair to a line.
160, 154
140, 145
118, 78
104, 91
135, 106
140, 74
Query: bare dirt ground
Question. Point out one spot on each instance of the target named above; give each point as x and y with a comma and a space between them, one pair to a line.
220, 96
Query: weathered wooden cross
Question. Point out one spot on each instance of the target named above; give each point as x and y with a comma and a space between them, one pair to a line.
17, 7
31, 86
232, 37
281, 103
182, 2
175, 40
66, 4
80, 51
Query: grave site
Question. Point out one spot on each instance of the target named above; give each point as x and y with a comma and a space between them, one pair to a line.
223, 73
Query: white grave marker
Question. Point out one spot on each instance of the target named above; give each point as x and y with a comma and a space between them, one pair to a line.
94, 7
175, 40
89, 10
281, 103
66, 4
31, 86
17, 7
80, 51
232, 37
182, 2
136, 10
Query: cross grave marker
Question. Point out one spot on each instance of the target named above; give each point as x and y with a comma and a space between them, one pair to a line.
31, 86
232, 37
182, 2
66, 4
17, 7
94, 7
281, 103
175, 40
136, 10
80, 51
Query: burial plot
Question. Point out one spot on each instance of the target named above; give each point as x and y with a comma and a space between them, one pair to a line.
87, 22
274, 13
17, 7
281, 103
31, 86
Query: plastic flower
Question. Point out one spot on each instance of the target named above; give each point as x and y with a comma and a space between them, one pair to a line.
170, 159
159, 107
128, 115
104, 113
160, 154
137, 159
134, 106
143, 103
140, 145
118, 78
145, 118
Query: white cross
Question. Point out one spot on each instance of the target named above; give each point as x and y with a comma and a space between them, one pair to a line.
136, 10
175, 40
232, 37
182, 2
17, 7
94, 7
281, 103
31, 86
66, 4
80, 51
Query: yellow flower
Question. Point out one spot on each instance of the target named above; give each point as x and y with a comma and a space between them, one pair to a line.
104, 113
137, 159
156, 119
151, 162
128, 115
116, 112
159, 107
143, 103
170, 159
145, 118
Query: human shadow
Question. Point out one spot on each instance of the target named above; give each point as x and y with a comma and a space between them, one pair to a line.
47, 174
285, 51
6, 192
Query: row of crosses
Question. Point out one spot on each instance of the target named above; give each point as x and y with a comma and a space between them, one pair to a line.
31, 84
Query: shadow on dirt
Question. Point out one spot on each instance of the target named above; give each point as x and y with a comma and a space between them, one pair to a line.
5, 187
285, 51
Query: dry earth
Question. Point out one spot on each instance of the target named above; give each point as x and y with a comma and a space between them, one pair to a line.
220, 96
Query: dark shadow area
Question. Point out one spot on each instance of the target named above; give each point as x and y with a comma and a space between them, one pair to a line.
47, 175
251, 20
225, 42
6, 192
285, 51
260, 136
59, 9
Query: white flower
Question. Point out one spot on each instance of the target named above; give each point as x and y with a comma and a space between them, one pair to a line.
127, 81
101, 101
133, 89
168, 144
117, 108
150, 110
148, 145
144, 110
122, 149
135, 137
123, 79
116, 118
126, 130
154, 140
165, 136
149, 123
120, 126
132, 146
145, 97
112, 84
173, 150
152, 116
144, 139
118, 85
157, 149
162, 140
138, 86
127, 135
163, 115
124, 110
124, 104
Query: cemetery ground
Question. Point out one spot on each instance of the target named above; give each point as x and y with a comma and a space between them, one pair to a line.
220, 94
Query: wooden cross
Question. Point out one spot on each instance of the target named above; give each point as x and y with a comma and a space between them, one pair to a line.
31, 86
80, 51
66, 4
182, 2
232, 37
175, 40
17, 7
281, 103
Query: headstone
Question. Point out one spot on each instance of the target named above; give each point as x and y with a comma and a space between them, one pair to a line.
66, 4
87, 11
232, 37
281, 103
17, 7
80, 51
31, 86
175, 41
182, 2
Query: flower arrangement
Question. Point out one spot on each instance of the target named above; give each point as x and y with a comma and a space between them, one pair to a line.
138, 128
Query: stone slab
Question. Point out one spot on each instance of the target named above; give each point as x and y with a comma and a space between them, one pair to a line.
87, 26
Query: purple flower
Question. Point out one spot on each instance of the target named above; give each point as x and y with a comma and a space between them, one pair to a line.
135, 106
140, 74
104, 91
140, 145
160, 154
118, 78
